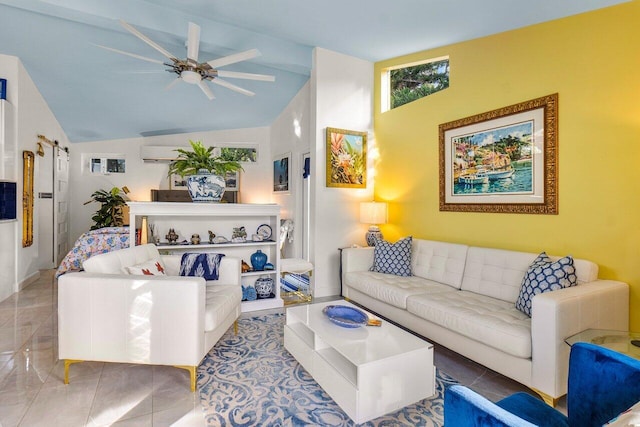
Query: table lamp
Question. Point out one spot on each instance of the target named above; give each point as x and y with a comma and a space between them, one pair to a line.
373, 213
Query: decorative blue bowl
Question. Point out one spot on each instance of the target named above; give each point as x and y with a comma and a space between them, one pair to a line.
347, 317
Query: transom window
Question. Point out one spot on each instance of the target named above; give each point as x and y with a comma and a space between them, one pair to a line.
409, 82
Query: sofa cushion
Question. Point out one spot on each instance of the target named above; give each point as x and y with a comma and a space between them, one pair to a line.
496, 273
392, 258
205, 265
221, 301
490, 321
153, 267
439, 261
114, 262
390, 289
545, 275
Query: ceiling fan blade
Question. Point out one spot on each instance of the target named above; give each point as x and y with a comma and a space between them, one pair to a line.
206, 89
232, 87
144, 58
193, 42
232, 59
147, 40
248, 76
172, 84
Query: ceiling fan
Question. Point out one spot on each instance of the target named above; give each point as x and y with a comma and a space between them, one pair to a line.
190, 70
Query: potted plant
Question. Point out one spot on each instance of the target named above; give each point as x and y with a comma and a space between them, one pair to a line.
205, 172
110, 213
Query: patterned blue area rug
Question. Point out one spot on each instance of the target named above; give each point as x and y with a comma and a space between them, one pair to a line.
251, 380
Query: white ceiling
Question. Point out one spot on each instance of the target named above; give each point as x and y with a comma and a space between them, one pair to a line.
96, 94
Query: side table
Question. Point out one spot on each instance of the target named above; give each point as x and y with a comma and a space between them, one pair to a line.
624, 342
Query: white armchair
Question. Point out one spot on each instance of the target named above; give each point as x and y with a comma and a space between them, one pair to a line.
109, 316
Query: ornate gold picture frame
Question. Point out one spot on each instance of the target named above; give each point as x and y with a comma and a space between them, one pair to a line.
28, 159
502, 161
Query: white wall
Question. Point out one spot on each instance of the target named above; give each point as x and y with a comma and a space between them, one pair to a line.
341, 97
290, 133
141, 177
32, 117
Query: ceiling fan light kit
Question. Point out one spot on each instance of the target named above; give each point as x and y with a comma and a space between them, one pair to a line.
191, 77
190, 70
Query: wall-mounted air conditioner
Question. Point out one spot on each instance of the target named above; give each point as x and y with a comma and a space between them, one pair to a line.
158, 153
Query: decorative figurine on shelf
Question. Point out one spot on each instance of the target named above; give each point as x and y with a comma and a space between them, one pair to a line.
172, 236
239, 235
220, 239
245, 267
211, 236
258, 260
195, 239
249, 293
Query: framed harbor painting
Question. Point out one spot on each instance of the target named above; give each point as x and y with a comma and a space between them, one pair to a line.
502, 161
346, 158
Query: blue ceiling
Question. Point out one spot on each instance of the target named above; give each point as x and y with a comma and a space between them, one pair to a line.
97, 94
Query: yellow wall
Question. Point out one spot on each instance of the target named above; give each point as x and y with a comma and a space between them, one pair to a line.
593, 62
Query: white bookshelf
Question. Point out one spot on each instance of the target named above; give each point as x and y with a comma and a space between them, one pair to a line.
198, 218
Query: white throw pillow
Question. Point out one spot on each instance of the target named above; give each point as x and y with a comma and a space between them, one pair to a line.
153, 267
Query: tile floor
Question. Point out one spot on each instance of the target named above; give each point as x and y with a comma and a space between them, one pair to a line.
32, 392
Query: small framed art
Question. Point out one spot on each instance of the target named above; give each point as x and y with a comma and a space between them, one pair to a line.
346, 158
282, 173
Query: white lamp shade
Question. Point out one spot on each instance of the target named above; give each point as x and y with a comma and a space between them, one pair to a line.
373, 213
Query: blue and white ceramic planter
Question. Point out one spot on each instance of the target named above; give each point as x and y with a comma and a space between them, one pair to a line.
205, 187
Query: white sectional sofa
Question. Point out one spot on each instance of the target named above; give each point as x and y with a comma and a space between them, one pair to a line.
107, 315
463, 298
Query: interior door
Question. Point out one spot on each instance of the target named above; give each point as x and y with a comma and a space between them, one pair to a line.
61, 200
44, 207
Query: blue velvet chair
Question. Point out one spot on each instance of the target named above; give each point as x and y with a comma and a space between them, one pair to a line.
602, 384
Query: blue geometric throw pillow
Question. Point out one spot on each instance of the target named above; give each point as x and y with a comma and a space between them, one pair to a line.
392, 258
200, 265
545, 275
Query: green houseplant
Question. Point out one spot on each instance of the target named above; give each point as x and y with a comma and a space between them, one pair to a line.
204, 171
201, 157
110, 213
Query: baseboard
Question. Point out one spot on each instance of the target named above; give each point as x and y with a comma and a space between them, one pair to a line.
28, 280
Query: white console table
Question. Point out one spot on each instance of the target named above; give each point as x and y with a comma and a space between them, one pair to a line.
198, 218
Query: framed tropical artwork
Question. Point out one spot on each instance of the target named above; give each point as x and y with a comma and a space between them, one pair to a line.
346, 158
281, 173
502, 161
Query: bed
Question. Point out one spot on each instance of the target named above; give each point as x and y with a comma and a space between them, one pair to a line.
92, 243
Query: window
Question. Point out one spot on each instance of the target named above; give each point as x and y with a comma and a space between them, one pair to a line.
238, 154
104, 164
409, 82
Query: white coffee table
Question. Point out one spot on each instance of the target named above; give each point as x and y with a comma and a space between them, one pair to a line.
368, 371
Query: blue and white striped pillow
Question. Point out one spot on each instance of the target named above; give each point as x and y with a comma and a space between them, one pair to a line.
200, 265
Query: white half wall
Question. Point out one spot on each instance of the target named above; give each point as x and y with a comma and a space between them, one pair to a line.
341, 97
32, 118
141, 177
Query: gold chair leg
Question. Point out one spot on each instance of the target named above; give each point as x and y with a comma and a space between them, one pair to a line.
235, 327
192, 374
67, 363
551, 401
